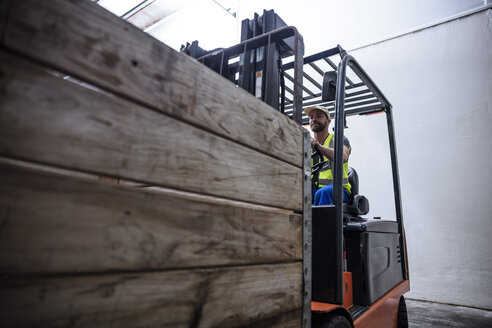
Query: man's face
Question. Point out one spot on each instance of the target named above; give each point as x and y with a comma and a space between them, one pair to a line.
318, 121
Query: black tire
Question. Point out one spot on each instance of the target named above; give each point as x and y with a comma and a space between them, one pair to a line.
334, 321
402, 314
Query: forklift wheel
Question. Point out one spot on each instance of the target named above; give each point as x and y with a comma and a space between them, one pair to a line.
402, 314
336, 321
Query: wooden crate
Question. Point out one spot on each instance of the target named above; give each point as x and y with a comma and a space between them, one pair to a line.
137, 187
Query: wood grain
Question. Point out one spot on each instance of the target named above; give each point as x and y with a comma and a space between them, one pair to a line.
84, 40
222, 297
285, 320
4, 9
58, 224
46, 119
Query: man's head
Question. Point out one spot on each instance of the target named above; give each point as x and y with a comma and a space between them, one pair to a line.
319, 118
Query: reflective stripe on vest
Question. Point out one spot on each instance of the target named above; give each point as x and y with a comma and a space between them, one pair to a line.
325, 182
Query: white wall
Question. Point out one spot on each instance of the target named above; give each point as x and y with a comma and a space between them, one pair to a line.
352, 23
439, 81
322, 23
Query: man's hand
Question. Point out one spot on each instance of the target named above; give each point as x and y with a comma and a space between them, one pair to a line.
325, 151
328, 152
314, 142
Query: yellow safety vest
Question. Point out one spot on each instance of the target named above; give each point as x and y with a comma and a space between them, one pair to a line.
326, 174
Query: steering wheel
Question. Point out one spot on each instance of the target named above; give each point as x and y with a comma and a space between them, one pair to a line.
318, 166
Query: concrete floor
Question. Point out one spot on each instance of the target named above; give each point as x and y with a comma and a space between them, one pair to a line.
436, 315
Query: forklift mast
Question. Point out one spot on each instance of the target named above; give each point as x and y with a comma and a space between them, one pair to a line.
264, 62
256, 63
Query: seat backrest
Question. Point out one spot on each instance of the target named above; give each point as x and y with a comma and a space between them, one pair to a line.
353, 178
358, 204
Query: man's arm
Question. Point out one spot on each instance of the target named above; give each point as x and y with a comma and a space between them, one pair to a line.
329, 152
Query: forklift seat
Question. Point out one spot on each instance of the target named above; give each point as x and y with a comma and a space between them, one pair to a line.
357, 204
353, 180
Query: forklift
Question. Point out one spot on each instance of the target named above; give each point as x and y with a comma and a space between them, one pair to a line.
358, 268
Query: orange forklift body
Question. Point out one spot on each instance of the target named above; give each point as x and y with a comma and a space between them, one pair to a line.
383, 313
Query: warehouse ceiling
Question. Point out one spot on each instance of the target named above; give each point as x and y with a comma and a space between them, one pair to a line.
175, 22
323, 24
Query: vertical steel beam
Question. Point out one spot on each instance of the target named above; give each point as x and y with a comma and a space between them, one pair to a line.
338, 174
396, 188
298, 69
307, 232
350, 61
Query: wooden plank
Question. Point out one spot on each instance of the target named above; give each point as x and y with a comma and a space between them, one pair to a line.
46, 119
4, 9
285, 320
221, 297
84, 40
58, 224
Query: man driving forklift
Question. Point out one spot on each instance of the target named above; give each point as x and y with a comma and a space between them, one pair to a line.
322, 144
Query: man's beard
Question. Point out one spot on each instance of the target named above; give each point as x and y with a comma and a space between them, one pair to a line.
320, 127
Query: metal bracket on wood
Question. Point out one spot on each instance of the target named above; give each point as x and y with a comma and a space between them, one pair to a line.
307, 232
